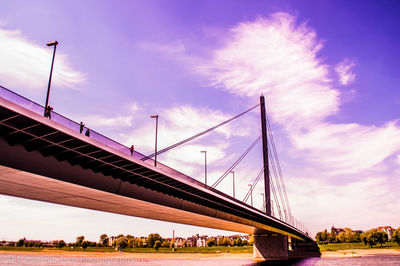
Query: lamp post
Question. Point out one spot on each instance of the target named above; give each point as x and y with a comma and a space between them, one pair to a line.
53, 43
155, 146
251, 194
233, 176
205, 167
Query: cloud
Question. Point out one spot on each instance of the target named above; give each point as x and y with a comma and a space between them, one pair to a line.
275, 57
27, 64
349, 148
101, 121
344, 70
278, 57
355, 204
171, 49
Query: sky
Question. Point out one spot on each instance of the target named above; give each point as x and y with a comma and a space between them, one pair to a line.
327, 70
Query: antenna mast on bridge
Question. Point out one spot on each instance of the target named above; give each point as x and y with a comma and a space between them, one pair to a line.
265, 157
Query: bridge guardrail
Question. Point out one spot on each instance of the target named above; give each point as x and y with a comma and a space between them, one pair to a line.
39, 109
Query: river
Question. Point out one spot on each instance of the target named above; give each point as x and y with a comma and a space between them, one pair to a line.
91, 261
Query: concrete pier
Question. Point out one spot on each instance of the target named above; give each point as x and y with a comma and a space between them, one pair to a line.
281, 247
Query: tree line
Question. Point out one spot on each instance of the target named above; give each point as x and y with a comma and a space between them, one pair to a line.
121, 242
371, 237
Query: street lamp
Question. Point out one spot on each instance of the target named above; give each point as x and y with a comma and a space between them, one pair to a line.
251, 194
155, 146
233, 176
205, 167
46, 107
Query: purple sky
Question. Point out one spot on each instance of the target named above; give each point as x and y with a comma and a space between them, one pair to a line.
327, 68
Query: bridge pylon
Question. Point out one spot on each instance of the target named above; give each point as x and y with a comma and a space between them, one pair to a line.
265, 157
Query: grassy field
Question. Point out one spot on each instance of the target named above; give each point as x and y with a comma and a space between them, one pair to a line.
344, 246
246, 249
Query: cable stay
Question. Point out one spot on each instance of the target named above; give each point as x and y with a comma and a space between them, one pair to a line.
241, 157
253, 185
276, 199
275, 155
265, 205
198, 135
278, 187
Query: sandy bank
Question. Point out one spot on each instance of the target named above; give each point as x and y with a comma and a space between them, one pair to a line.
152, 256
359, 253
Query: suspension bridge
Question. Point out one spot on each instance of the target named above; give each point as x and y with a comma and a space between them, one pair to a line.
54, 159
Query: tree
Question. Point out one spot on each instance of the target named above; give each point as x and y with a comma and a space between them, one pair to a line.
251, 241
381, 237
211, 242
370, 237
396, 236
237, 242
85, 244
341, 237
121, 243
131, 243
152, 238
157, 244
20, 243
138, 243
332, 236
322, 236
104, 240
79, 240
226, 242
166, 244
59, 243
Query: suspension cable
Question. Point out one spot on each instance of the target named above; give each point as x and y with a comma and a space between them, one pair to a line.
276, 199
278, 187
253, 185
241, 157
198, 135
278, 165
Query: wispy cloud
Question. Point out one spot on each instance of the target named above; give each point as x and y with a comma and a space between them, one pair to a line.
279, 57
345, 71
26, 64
276, 57
359, 204
171, 49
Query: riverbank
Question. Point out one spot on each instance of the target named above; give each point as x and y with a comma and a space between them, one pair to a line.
134, 256
187, 255
360, 252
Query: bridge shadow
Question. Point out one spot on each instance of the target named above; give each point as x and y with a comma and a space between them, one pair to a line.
293, 262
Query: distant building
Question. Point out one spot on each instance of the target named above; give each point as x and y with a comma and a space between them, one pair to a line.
179, 242
201, 241
337, 230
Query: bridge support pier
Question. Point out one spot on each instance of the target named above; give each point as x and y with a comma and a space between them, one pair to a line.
280, 247
270, 247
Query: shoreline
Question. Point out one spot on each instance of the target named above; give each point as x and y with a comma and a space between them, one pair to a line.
130, 255
194, 256
359, 253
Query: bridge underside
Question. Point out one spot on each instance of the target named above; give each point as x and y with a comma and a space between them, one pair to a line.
43, 160
31, 186
83, 188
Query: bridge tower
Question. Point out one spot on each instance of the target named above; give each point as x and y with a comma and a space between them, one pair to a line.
265, 156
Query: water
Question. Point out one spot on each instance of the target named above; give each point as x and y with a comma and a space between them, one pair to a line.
91, 261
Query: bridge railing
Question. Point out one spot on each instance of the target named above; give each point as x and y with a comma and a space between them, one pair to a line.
39, 109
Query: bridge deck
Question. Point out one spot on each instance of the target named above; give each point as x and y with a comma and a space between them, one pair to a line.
45, 148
